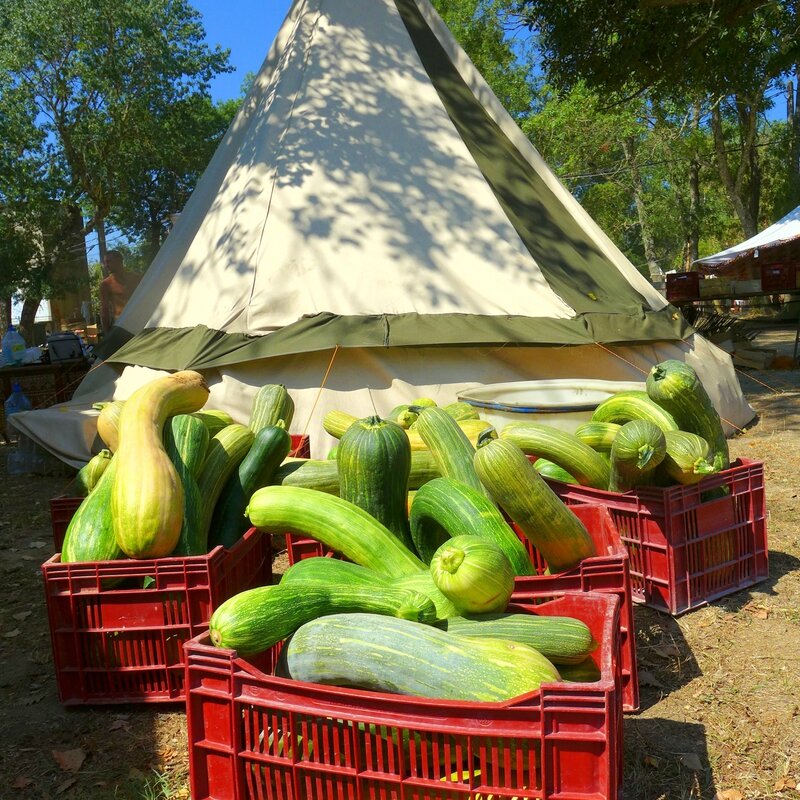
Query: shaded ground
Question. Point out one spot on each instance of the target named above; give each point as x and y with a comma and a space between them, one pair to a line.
720, 696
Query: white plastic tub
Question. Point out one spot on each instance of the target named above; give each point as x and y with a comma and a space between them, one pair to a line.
564, 403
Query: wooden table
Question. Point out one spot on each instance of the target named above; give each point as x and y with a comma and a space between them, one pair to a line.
43, 384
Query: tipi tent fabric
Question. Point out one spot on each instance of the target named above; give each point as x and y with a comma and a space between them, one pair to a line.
373, 227
784, 232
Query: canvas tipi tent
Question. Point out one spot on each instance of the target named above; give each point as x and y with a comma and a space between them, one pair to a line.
375, 227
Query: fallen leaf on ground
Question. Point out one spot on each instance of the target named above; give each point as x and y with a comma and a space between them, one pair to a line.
691, 761
785, 783
69, 760
36, 543
12, 634
69, 783
21, 783
22, 615
729, 794
120, 724
652, 761
135, 774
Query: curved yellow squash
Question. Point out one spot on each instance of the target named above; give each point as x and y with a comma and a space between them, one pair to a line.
147, 499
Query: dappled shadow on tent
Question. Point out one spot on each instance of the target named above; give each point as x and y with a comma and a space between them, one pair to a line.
347, 150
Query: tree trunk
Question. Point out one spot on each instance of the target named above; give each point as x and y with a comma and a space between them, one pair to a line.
694, 198
629, 148
100, 230
5, 314
793, 123
732, 184
28, 317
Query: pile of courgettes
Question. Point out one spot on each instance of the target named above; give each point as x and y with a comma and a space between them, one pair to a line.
667, 435
416, 601
174, 477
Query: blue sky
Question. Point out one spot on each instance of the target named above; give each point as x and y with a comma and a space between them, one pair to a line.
247, 28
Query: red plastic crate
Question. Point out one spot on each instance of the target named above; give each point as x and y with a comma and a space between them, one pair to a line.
606, 572
252, 735
63, 508
687, 547
778, 277
124, 643
683, 286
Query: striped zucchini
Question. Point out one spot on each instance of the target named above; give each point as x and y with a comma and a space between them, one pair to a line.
225, 452
271, 404
639, 447
337, 422
108, 423
598, 435
89, 474
323, 475
254, 620
340, 526
564, 640
320, 569
474, 573
374, 461
547, 469
686, 458
626, 406
336, 571
562, 448
461, 410
445, 507
186, 438
90, 533
404, 657
514, 484
674, 385
228, 522
214, 419
451, 449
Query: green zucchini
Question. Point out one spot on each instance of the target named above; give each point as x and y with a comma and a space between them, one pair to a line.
225, 452
423, 583
598, 435
341, 526
562, 448
451, 448
271, 404
186, 438
514, 484
461, 410
323, 475
445, 507
90, 533
228, 522
564, 640
374, 460
254, 620
89, 474
674, 386
404, 657
214, 419
321, 569
686, 458
474, 573
547, 469
584, 672
639, 447
626, 406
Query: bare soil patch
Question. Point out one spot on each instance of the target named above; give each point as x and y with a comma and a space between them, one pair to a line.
720, 699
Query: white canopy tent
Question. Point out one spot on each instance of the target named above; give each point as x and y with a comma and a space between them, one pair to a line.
375, 227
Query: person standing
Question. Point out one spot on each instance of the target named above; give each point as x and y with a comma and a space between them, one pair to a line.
115, 289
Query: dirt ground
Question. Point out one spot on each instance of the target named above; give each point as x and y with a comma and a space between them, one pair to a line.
720, 716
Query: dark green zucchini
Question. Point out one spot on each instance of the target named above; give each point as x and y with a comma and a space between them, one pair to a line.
445, 507
254, 620
228, 522
639, 447
374, 460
